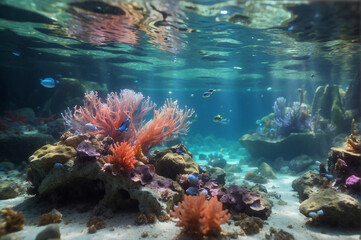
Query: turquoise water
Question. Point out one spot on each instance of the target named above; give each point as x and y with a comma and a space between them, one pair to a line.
242, 49
256, 73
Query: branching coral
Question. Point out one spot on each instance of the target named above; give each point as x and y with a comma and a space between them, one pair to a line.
293, 119
199, 216
168, 122
13, 221
123, 157
106, 117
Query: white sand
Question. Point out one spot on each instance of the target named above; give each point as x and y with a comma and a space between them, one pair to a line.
73, 225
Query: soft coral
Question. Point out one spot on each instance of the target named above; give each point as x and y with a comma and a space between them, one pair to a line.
199, 216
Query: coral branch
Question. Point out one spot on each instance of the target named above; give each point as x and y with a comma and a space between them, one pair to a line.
167, 124
199, 216
123, 157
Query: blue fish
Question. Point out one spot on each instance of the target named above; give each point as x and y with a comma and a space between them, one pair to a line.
291, 28
192, 191
204, 191
318, 162
320, 212
193, 178
210, 90
16, 53
272, 130
329, 176
207, 94
312, 214
58, 165
91, 127
313, 75
48, 82
124, 126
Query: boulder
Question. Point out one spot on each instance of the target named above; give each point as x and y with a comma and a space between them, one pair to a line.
52, 231
339, 209
307, 184
11, 143
217, 175
301, 163
288, 147
8, 190
266, 171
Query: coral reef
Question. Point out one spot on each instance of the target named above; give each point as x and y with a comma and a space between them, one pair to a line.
200, 217
290, 120
12, 221
145, 218
352, 143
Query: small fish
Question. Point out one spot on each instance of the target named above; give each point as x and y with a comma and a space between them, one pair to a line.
269, 88
318, 162
272, 130
299, 90
204, 191
224, 121
16, 53
258, 122
329, 176
248, 89
291, 28
58, 165
320, 212
124, 126
217, 118
210, 90
193, 178
313, 75
91, 127
239, 68
179, 150
48, 82
192, 191
312, 214
206, 94
192, 95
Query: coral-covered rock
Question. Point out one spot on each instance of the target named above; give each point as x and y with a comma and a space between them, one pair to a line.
307, 184
240, 199
266, 171
90, 182
173, 161
86, 151
12, 221
217, 175
288, 147
249, 225
43, 160
75, 140
54, 216
339, 209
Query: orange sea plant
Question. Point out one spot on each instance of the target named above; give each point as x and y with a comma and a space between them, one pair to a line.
123, 157
199, 216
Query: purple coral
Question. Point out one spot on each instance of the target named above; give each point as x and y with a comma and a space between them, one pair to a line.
240, 199
289, 120
86, 151
353, 182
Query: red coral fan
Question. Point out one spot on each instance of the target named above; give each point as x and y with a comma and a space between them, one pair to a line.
199, 216
168, 122
123, 157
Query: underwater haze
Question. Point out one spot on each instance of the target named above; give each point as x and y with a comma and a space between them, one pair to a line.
240, 93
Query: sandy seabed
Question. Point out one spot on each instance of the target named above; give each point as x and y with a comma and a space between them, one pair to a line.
121, 226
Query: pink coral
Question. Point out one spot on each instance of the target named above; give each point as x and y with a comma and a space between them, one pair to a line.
199, 216
169, 121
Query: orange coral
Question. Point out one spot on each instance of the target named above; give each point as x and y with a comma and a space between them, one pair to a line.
352, 143
138, 154
168, 122
123, 156
199, 216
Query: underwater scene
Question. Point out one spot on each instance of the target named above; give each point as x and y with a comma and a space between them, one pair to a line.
167, 119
